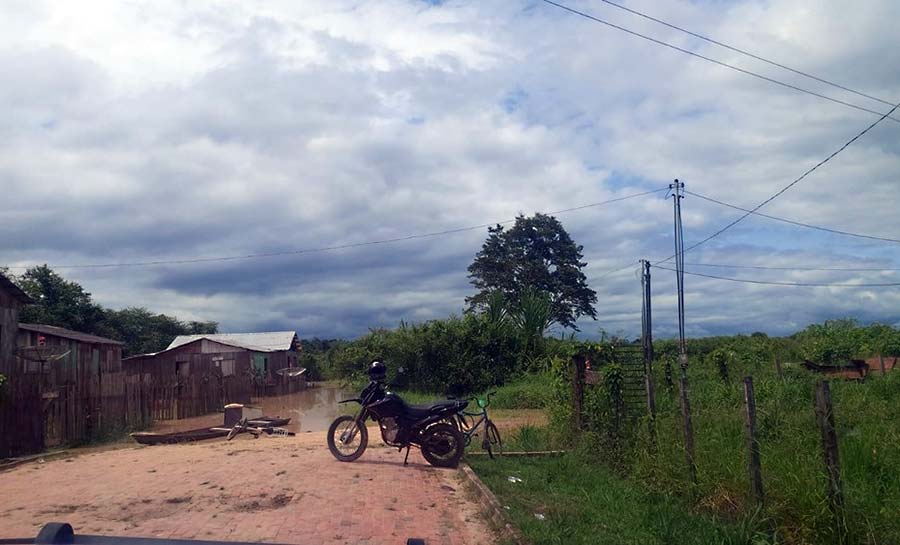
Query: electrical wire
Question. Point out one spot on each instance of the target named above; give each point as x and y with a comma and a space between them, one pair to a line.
747, 53
795, 284
785, 188
792, 222
720, 63
340, 246
767, 268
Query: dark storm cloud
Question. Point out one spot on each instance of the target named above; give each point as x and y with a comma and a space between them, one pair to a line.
177, 132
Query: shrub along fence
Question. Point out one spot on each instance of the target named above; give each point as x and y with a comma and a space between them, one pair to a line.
803, 458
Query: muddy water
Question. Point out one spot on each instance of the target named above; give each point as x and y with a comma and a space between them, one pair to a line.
311, 410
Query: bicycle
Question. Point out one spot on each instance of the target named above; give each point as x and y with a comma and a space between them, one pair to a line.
491, 440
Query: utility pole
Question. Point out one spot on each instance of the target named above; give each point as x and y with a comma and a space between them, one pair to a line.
677, 189
647, 345
647, 338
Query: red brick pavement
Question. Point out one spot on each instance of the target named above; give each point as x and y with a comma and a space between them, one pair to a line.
286, 490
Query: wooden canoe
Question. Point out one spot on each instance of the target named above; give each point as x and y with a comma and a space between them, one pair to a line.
150, 438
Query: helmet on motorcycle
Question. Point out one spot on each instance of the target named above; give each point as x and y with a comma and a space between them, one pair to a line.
377, 371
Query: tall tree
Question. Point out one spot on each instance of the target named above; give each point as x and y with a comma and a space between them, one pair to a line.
536, 254
58, 301
64, 303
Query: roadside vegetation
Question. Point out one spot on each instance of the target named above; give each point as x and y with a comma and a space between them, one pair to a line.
568, 500
615, 453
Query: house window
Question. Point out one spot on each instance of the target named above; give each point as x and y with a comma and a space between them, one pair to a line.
226, 366
182, 368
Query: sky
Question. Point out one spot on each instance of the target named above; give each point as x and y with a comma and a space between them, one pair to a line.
168, 130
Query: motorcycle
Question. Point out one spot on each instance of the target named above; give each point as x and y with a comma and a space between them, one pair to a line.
431, 428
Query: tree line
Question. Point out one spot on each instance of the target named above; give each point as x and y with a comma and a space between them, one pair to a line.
64, 303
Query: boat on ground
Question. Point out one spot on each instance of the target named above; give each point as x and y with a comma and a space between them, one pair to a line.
201, 434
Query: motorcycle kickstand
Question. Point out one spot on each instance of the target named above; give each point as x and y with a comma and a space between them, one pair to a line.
406, 459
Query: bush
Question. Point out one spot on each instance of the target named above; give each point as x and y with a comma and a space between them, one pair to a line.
530, 391
459, 355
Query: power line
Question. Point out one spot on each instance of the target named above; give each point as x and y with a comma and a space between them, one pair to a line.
340, 246
747, 53
792, 222
719, 63
796, 284
785, 188
767, 268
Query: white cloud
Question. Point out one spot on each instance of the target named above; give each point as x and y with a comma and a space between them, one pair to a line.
170, 130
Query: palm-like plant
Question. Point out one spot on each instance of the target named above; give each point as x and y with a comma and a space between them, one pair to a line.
532, 317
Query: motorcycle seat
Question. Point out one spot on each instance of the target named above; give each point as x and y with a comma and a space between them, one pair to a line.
423, 411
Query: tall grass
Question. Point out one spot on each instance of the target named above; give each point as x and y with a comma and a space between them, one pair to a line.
792, 462
557, 500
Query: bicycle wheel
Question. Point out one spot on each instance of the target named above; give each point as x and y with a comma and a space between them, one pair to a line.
492, 439
238, 428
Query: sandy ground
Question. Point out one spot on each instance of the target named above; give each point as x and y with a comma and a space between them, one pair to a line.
273, 489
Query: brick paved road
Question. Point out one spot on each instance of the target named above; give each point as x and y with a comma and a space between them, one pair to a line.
286, 490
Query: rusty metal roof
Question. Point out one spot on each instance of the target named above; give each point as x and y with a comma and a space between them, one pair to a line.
270, 341
68, 334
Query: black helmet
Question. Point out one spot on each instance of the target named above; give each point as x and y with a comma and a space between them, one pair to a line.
377, 371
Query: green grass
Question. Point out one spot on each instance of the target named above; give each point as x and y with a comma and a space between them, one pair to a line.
526, 392
584, 503
792, 466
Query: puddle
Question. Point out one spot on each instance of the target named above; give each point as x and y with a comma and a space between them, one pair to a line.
311, 410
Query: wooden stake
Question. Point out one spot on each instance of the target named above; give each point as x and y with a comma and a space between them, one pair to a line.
778, 368
688, 426
578, 392
881, 363
825, 418
753, 458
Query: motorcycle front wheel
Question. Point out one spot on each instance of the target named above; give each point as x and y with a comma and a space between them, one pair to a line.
442, 445
347, 438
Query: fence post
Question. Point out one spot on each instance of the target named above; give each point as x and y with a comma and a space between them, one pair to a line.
778, 368
881, 363
577, 392
688, 425
755, 467
825, 418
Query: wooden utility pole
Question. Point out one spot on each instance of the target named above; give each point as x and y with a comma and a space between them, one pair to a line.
753, 458
647, 340
677, 188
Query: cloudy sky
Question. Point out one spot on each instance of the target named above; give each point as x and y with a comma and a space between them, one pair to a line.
136, 131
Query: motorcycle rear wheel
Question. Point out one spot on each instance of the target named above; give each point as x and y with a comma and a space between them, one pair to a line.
342, 434
443, 445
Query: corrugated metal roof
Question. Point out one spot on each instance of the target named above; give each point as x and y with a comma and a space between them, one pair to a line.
260, 342
67, 334
14, 290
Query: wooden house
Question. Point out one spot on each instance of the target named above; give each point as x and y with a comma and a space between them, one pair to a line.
203, 373
81, 383
16, 395
11, 300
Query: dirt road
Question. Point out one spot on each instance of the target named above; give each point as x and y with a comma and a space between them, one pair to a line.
286, 490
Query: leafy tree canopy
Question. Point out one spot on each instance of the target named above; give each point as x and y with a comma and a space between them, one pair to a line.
536, 254
63, 303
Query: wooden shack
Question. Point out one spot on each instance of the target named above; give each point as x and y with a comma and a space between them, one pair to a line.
197, 374
17, 396
82, 385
